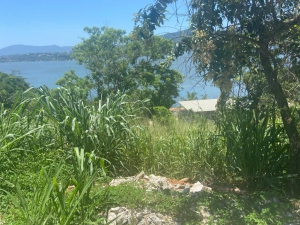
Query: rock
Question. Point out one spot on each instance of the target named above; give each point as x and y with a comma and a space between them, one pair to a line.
140, 175
118, 181
159, 182
123, 216
197, 187
146, 177
153, 182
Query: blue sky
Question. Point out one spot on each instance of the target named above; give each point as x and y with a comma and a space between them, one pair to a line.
61, 22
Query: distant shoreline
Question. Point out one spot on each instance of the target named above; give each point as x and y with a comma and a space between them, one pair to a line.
32, 57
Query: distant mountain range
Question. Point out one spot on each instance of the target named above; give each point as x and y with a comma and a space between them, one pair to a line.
26, 49
177, 36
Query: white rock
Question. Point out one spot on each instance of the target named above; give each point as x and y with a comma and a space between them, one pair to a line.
140, 175
197, 187
146, 177
134, 217
121, 213
118, 181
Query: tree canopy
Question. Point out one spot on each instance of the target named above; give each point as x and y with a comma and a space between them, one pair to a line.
231, 37
10, 85
129, 64
71, 81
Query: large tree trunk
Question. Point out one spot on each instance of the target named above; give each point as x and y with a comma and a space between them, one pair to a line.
271, 74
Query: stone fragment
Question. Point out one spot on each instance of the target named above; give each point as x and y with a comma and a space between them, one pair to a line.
146, 177
197, 187
123, 216
140, 175
118, 181
118, 216
162, 182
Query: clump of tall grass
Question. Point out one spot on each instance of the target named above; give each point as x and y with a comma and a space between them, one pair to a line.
184, 149
21, 136
257, 146
107, 129
43, 129
54, 202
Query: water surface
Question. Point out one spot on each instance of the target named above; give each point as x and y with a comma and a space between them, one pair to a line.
40, 73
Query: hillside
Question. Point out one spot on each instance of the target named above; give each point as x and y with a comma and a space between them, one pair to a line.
26, 49
177, 36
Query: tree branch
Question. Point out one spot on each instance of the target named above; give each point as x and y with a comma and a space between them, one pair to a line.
238, 36
293, 21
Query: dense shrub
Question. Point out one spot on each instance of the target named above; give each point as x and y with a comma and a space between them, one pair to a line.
162, 115
10, 86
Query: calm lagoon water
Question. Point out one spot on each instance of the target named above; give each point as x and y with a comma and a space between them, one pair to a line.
40, 73
48, 72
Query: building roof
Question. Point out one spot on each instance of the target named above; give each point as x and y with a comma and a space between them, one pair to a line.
206, 105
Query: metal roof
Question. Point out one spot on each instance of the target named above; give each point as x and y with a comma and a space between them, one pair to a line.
206, 105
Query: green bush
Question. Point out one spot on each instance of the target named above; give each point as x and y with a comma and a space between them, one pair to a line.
162, 115
10, 85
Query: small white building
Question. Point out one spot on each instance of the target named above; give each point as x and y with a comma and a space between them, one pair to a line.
205, 105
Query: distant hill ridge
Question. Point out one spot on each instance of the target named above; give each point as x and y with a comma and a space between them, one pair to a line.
177, 36
26, 49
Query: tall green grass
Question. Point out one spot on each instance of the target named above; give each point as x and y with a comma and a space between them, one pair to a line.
44, 129
22, 142
53, 202
39, 134
257, 147
106, 129
183, 149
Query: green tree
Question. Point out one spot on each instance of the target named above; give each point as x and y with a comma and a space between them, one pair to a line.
71, 81
129, 64
230, 37
190, 96
10, 86
104, 53
156, 83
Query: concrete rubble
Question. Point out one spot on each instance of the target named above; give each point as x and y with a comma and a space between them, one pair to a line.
124, 216
153, 182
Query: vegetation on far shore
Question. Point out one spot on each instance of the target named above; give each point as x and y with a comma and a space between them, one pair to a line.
31, 57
